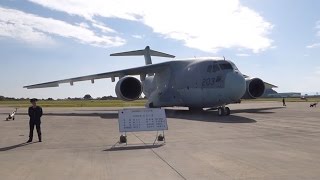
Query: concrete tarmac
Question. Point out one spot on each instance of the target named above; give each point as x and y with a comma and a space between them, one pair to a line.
257, 141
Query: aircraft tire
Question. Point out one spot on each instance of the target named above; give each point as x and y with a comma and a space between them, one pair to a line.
221, 111
150, 105
123, 139
160, 137
227, 111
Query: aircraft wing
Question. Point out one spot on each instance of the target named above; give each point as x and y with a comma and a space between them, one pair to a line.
142, 71
267, 85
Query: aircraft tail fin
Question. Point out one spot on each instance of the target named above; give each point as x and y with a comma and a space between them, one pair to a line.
147, 53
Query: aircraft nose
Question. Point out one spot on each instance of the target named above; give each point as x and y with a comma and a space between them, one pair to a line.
235, 85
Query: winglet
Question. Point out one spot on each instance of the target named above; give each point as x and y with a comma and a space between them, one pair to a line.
147, 53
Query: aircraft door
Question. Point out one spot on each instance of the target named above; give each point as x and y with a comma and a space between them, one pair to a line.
190, 87
211, 79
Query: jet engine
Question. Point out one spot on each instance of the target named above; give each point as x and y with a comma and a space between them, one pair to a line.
255, 88
128, 88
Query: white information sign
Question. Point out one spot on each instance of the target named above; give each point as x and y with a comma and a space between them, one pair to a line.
146, 119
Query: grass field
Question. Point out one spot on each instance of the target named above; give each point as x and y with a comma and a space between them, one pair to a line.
119, 103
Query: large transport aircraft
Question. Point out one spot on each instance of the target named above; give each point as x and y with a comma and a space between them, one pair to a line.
195, 83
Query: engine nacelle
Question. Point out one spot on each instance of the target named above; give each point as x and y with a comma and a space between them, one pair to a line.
128, 88
255, 88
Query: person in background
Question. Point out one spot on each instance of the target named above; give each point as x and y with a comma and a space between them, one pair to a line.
284, 102
35, 113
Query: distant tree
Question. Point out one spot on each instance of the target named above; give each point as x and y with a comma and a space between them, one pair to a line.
2, 98
87, 97
108, 98
104, 98
9, 98
50, 99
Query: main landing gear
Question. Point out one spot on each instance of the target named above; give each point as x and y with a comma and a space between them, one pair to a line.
223, 111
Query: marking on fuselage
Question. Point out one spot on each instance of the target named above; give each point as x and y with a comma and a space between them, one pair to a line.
212, 82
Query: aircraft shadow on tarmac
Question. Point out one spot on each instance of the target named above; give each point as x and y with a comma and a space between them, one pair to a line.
206, 116
15, 146
256, 110
211, 115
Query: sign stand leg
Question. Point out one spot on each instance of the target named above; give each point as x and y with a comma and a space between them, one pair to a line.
160, 137
155, 140
125, 134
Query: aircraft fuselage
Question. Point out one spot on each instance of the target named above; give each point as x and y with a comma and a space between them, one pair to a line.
196, 84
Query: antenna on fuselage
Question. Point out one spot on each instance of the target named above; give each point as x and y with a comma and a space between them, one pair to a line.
146, 52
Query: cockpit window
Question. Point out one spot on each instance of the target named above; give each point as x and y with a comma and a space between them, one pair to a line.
215, 68
224, 66
234, 66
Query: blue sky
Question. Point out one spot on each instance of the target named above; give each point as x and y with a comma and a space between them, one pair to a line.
278, 41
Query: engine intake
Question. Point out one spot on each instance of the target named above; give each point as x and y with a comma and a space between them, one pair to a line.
255, 88
128, 88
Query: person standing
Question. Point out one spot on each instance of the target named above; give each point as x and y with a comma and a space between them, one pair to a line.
35, 113
284, 102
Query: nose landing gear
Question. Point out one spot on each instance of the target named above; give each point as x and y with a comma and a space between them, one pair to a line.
223, 111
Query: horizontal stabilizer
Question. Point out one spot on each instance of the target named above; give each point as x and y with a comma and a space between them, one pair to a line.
160, 54
147, 53
143, 52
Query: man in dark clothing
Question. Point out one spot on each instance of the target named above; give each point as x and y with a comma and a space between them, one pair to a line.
35, 113
284, 102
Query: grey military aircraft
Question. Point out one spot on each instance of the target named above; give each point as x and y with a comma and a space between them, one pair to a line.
195, 83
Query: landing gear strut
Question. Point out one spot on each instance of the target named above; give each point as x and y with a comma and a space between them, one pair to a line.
223, 111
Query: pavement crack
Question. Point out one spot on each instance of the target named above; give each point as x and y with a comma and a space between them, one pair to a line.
161, 158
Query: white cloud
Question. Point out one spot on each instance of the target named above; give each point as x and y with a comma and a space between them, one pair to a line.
314, 76
317, 71
318, 27
209, 25
243, 55
103, 28
137, 36
84, 25
39, 30
315, 45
